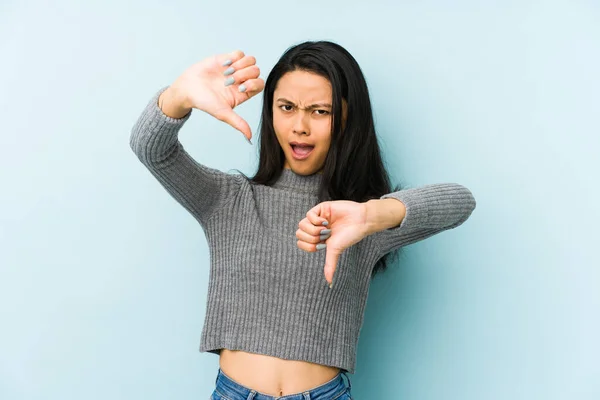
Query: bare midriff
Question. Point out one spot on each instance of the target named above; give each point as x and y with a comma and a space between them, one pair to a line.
271, 375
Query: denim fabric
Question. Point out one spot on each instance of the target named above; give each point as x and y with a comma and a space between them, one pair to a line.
335, 389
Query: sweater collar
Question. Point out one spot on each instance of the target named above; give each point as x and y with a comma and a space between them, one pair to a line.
298, 183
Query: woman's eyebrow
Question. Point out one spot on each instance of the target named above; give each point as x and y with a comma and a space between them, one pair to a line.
317, 105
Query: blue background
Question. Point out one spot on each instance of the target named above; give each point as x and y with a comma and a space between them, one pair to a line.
103, 275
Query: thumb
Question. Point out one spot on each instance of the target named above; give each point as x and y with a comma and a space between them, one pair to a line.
230, 117
331, 259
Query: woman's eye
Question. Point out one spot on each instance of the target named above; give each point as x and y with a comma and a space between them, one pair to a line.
283, 107
322, 112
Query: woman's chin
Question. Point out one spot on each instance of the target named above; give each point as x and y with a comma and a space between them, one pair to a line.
302, 167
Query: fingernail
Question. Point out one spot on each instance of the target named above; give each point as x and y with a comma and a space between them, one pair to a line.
248, 140
331, 285
325, 223
321, 246
229, 81
325, 232
323, 237
242, 88
227, 63
229, 71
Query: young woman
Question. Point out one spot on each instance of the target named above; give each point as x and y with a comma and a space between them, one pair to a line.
293, 249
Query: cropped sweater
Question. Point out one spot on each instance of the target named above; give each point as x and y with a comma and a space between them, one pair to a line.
265, 295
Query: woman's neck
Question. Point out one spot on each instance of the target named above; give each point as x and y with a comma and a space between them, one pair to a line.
299, 183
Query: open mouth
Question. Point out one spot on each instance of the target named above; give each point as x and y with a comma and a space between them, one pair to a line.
301, 151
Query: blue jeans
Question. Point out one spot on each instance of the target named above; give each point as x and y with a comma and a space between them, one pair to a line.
335, 389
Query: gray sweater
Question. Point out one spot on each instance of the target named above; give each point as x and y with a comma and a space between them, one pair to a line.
265, 295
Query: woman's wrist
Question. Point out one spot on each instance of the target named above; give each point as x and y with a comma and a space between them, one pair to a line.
172, 104
384, 214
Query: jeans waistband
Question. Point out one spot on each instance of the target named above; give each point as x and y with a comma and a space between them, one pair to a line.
332, 389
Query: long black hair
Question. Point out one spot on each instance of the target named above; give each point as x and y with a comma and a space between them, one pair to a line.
354, 169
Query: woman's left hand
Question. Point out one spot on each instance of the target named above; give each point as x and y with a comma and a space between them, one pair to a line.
346, 225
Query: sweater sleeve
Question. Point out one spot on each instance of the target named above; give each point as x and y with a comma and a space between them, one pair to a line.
200, 189
430, 209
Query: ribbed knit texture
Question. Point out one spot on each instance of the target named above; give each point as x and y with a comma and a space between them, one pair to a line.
265, 295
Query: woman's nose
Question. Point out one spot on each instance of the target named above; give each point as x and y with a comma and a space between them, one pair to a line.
301, 123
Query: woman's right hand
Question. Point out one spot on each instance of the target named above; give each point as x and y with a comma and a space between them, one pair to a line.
202, 86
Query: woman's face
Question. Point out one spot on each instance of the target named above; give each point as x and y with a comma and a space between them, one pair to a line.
302, 108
